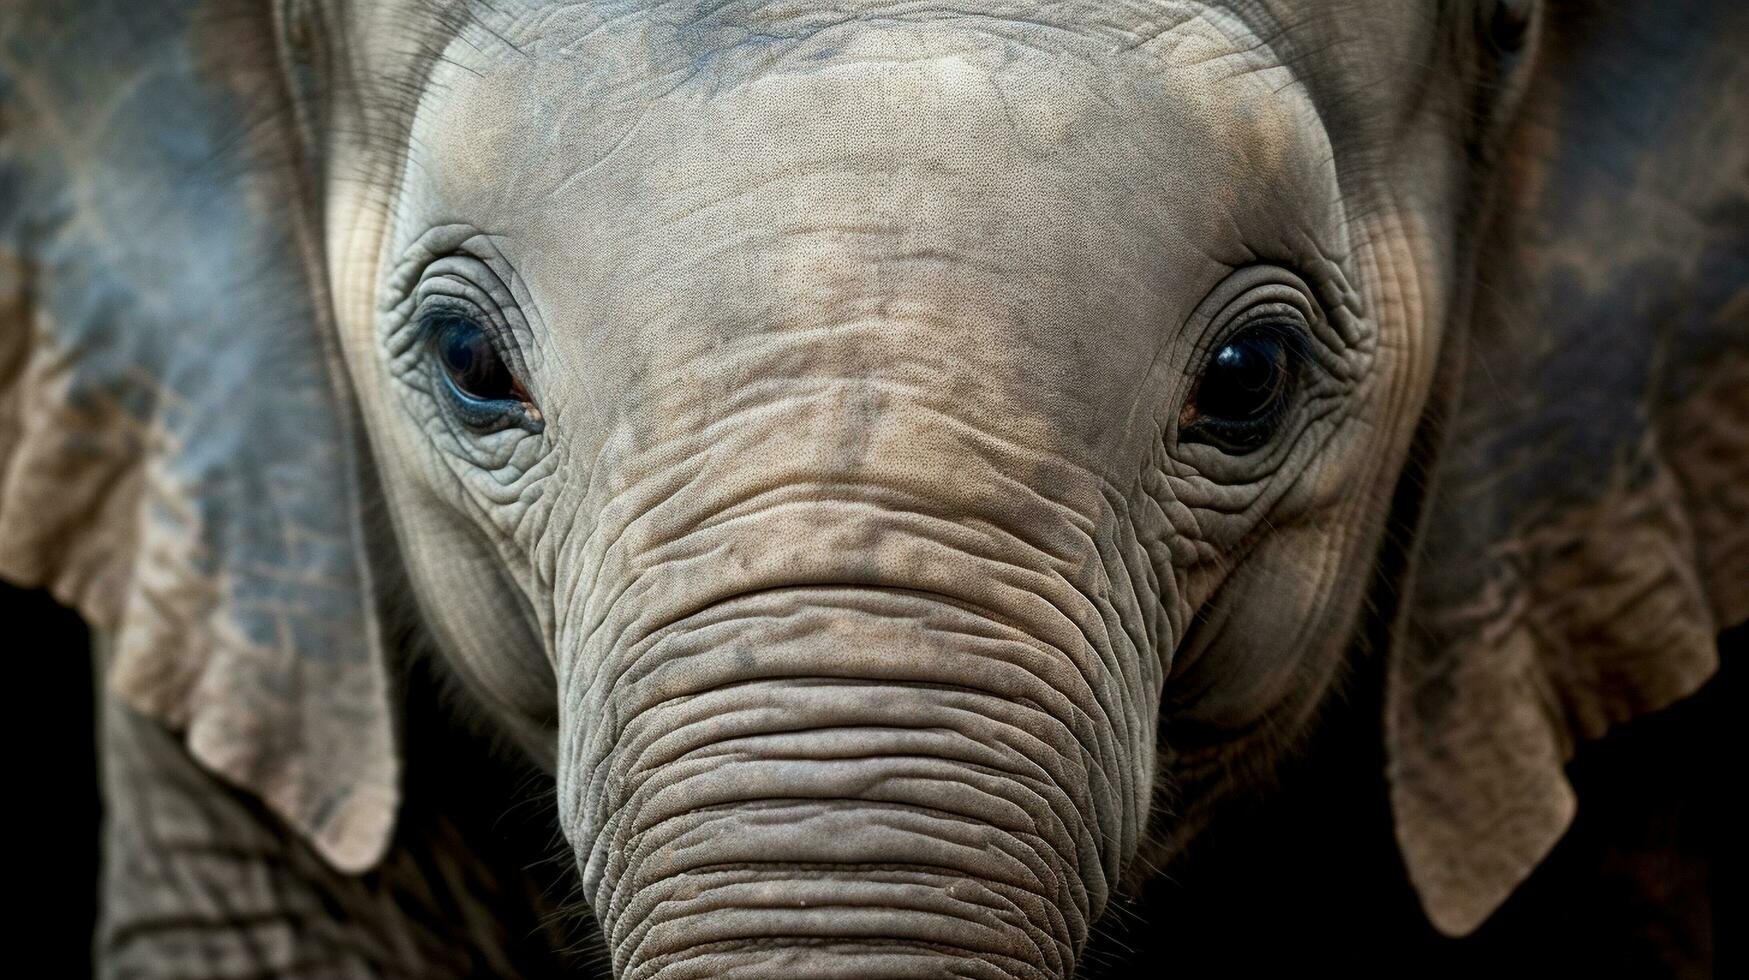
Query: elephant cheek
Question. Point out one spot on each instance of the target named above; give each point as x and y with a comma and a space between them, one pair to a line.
853, 781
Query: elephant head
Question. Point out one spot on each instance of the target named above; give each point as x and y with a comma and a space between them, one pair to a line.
898, 467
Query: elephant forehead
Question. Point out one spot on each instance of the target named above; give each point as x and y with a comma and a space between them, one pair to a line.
913, 201
1190, 112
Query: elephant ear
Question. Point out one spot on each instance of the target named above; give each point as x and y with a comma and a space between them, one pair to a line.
178, 449
1587, 534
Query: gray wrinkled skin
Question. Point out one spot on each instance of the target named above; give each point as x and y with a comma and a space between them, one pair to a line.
858, 544
852, 570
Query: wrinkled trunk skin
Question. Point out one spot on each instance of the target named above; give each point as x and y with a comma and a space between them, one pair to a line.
895, 785
884, 745
859, 603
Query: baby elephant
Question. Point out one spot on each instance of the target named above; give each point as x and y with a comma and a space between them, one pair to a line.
885, 472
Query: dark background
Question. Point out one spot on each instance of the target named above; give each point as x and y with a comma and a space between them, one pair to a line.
1304, 881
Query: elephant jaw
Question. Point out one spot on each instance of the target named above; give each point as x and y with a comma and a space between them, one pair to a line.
851, 781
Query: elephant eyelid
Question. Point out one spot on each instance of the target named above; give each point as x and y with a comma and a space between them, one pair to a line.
1272, 338
480, 414
442, 314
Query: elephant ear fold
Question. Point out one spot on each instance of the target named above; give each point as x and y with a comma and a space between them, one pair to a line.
1587, 534
177, 444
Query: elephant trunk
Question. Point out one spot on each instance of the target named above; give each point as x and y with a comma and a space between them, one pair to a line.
854, 780
859, 692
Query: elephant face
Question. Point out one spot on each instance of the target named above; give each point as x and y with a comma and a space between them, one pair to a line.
898, 468
826, 439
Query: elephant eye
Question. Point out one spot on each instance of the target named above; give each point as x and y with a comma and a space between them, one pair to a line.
476, 373
1244, 390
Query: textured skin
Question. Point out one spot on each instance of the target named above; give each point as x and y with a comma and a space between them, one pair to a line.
858, 536
176, 458
1590, 537
857, 588
200, 880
